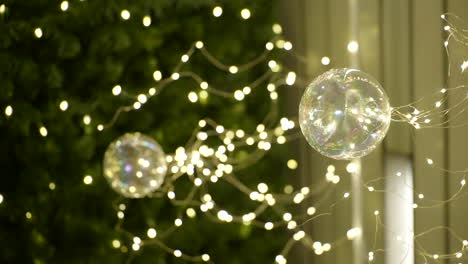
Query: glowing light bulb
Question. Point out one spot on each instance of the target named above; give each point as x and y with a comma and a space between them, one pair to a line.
2, 8
125, 14
88, 180
199, 44
277, 29
239, 95
43, 131
205, 257
288, 45
86, 119
175, 76
262, 187
116, 243
116, 90
38, 32
217, 11
151, 233
245, 13
64, 6
353, 46
269, 46
233, 69
325, 61
147, 21
193, 97
177, 253
8, 110
292, 164
157, 75
353, 233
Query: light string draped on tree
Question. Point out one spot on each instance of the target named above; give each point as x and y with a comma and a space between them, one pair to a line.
205, 164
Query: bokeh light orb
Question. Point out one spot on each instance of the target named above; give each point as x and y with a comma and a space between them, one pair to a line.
344, 114
134, 165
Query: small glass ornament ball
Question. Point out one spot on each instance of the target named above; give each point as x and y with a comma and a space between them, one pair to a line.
134, 165
344, 114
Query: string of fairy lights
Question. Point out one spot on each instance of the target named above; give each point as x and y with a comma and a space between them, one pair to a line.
204, 164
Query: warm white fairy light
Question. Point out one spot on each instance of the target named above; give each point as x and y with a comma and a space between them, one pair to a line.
353, 46
376, 212
435, 256
193, 97
288, 45
446, 43
2, 8
203, 94
184, 58
217, 11
299, 235
157, 75
142, 98
280, 259
43, 131
291, 78
100, 127
292, 164
178, 222
287, 217
136, 247
245, 13
64, 6
269, 226
463, 182
171, 195
8, 110
277, 29
151, 233
116, 90
137, 105
325, 61
146, 21
346, 195
199, 44
429, 161
281, 140
205, 257
116, 243
28, 215
464, 65
52, 186
86, 119
298, 198
175, 76
262, 187
125, 14
38, 32
233, 69
292, 224
353, 233
438, 104
1, 198
269, 46
88, 179
120, 214
239, 95
371, 189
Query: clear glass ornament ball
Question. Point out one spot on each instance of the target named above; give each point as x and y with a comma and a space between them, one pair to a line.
344, 114
134, 165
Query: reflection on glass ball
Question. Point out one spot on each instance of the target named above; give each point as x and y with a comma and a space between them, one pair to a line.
344, 114
134, 165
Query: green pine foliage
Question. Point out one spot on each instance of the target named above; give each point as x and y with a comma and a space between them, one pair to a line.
83, 53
